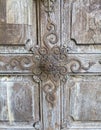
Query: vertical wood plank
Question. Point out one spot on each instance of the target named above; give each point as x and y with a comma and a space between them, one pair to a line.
65, 21
50, 113
2, 11
55, 19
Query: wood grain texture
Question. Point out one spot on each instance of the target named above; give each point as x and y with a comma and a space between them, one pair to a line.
77, 21
13, 34
26, 104
19, 98
50, 115
85, 101
2, 11
19, 12
18, 101
86, 22
67, 28
89, 102
17, 22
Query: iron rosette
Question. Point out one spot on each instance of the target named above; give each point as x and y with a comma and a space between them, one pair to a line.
51, 63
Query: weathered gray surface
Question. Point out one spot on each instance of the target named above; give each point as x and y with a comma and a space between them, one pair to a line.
82, 102
85, 101
19, 100
19, 95
25, 102
86, 21
16, 21
81, 94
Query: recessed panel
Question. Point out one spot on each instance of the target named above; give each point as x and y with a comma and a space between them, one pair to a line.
17, 98
86, 21
85, 101
82, 102
15, 21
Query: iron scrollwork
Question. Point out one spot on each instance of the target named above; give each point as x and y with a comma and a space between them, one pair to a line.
50, 64
52, 61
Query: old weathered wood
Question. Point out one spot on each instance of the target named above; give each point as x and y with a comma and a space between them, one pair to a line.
2, 11
50, 64
19, 94
18, 100
51, 110
86, 21
16, 22
81, 94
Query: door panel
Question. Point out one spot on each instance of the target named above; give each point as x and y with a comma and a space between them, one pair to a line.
86, 21
50, 64
19, 94
81, 92
16, 21
82, 102
84, 97
17, 99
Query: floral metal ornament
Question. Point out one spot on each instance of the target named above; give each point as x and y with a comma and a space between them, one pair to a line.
50, 66
50, 61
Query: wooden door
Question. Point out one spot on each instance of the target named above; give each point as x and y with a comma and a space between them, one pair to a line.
19, 95
50, 64
81, 94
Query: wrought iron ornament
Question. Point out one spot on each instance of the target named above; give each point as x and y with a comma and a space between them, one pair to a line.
50, 61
